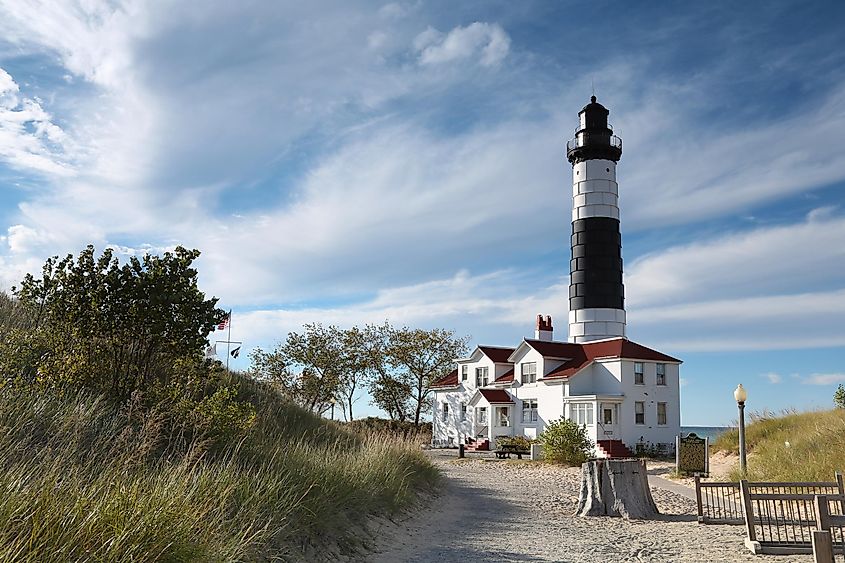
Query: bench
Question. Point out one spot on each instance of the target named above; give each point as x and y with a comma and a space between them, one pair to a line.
503, 452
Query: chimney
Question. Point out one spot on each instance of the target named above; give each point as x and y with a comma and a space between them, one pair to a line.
544, 329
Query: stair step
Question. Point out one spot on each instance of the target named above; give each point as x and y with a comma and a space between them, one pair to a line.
615, 448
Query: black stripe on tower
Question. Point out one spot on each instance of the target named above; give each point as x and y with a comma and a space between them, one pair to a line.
596, 266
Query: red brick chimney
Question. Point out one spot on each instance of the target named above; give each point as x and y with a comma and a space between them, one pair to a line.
544, 330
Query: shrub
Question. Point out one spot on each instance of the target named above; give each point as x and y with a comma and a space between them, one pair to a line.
564, 441
521, 442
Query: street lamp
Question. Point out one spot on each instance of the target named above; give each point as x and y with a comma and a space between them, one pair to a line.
740, 394
333, 401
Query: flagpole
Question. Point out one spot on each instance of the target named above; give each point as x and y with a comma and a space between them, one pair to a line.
228, 341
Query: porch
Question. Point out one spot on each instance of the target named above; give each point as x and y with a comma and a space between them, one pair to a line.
492, 417
600, 414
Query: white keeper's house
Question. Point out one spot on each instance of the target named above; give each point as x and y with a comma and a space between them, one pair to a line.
623, 392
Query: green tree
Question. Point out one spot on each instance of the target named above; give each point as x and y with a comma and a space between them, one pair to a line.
422, 357
355, 369
564, 441
307, 367
113, 327
839, 397
389, 391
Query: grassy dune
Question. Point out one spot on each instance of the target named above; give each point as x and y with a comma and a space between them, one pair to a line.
816, 445
83, 479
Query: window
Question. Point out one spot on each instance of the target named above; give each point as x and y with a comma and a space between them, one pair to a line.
444, 413
504, 419
480, 377
608, 416
639, 412
464, 372
661, 414
661, 374
582, 413
481, 415
463, 411
529, 372
529, 410
638, 374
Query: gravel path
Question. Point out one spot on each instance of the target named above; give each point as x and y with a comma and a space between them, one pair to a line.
522, 511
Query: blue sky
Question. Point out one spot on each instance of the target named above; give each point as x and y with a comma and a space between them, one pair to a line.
354, 162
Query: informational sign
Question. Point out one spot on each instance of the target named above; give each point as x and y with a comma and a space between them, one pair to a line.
692, 455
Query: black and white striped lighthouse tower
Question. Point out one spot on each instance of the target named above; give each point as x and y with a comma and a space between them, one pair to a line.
596, 293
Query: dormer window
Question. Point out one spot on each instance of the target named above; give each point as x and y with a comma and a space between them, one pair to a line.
529, 372
481, 377
464, 372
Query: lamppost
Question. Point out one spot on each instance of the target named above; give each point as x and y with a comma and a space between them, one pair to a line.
740, 394
332, 401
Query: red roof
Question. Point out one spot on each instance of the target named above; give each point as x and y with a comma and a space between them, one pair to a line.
554, 349
616, 348
506, 377
499, 355
450, 380
496, 395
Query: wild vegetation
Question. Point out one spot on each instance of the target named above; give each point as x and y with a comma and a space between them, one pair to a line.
564, 441
792, 446
119, 441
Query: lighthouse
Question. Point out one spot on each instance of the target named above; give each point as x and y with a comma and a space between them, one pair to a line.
596, 293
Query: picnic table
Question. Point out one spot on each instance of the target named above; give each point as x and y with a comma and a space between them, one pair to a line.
503, 452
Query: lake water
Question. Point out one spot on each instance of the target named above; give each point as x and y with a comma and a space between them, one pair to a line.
705, 431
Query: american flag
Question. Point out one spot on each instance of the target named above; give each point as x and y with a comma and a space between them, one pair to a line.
225, 322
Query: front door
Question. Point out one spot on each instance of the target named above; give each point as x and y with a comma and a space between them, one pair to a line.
608, 421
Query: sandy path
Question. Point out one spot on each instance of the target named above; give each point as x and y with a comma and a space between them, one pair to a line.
519, 511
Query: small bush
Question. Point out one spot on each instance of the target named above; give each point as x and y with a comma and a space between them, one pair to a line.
564, 441
521, 442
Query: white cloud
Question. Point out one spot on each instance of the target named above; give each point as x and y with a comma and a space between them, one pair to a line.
824, 379
29, 140
488, 42
762, 261
774, 378
483, 306
702, 172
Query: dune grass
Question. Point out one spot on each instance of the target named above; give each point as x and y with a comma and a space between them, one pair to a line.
792, 446
86, 480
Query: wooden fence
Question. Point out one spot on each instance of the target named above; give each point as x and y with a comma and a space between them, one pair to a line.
718, 502
829, 535
780, 517
722, 502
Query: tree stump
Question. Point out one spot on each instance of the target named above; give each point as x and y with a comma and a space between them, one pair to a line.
615, 487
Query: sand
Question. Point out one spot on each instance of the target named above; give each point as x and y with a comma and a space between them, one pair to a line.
523, 511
